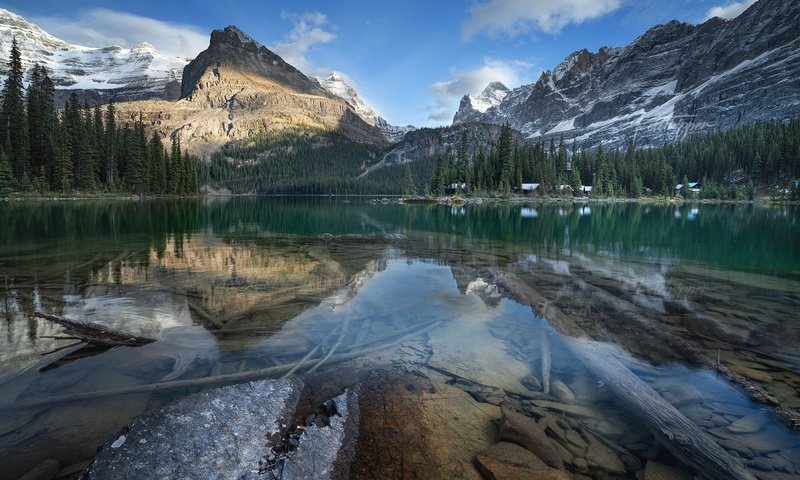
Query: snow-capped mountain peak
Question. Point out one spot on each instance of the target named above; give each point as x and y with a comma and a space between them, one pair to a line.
472, 107
139, 72
338, 84
491, 96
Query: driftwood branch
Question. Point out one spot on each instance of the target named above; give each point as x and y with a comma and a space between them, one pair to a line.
239, 377
94, 333
676, 432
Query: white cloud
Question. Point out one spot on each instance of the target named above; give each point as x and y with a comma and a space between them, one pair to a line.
516, 17
310, 29
101, 27
447, 94
731, 10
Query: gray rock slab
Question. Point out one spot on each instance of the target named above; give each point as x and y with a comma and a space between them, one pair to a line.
325, 452
219, 434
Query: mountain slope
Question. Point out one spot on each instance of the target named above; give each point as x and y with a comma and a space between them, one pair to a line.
238, 89
337, 84
675, 80
426, 143
134, 73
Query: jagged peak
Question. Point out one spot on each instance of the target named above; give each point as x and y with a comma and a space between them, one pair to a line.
233, 35
496, 86
143, 46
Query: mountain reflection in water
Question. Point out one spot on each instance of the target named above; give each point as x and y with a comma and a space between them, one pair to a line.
255, 284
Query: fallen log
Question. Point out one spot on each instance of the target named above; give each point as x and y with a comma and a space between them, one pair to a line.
677, 433
94, 333
690, 351
230, 378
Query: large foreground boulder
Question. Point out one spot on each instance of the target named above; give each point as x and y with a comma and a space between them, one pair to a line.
222, 433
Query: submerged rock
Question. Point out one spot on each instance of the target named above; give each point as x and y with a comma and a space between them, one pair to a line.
509, 461
417, 428
526, 432
658, 471
750, 423
561, 391
44, 471
222, 433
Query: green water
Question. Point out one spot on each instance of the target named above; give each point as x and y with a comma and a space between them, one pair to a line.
235, 285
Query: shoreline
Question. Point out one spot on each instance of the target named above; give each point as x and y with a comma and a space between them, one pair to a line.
418, 200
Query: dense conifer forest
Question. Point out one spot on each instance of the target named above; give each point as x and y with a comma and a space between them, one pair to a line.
755, 160
80, 149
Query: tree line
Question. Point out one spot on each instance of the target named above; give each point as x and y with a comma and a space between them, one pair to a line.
80, 149
736, 163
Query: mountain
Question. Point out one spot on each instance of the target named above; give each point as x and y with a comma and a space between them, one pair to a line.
337, 85
471, 107
673, 81
237, 89
134, 73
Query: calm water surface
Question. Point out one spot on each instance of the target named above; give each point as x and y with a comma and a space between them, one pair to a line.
297, 286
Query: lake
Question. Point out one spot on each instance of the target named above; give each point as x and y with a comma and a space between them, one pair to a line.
470, 298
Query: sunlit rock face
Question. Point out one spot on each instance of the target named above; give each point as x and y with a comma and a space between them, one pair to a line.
673, 81
238, 88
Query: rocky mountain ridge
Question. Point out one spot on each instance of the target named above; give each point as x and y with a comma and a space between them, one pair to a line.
136, 73
337, 84
237, 89
674, 81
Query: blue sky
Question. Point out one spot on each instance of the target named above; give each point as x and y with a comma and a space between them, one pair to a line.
411, 60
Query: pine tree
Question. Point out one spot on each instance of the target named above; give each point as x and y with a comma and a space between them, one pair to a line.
109, 161
409, 187
504, 153
62, 176
41, 123
158, 166
440, 178
575, 179
13, 118
176, 168
6, 175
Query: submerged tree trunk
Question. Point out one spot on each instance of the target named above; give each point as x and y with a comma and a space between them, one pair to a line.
94, 333
677, 433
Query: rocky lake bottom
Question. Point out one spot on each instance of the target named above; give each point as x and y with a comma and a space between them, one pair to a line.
485, 343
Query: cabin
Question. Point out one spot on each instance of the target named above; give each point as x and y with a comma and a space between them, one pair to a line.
454, 188
586, 190
528, 188
694, 188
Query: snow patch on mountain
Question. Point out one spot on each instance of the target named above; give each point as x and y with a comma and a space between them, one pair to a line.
673, 81
141, 68
338, 84
492, 95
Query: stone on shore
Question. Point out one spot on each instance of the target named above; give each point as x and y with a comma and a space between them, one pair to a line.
221, 433
325, 451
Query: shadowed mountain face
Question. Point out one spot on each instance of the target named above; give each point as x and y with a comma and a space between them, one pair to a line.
237, 89
675, 80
